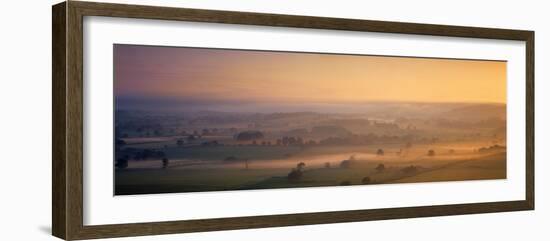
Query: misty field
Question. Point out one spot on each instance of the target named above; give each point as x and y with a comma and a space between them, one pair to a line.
331, 150
205, 119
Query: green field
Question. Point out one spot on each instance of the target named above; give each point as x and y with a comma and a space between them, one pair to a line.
490, 167
217, 176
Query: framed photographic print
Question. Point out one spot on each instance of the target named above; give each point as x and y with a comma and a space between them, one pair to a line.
171, 120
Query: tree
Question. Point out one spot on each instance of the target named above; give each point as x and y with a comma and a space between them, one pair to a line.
410, 170
431, 153
164, 163
380, 152
345, 164
156, 132
231, 159
300, 166
292, 140
249, 135
179, 142
119, 143
285, 141
345, 183
295, 175
327, 164
121, 163
380, 167
366, 180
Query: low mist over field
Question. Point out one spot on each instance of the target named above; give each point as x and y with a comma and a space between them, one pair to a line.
208, 150
190, 120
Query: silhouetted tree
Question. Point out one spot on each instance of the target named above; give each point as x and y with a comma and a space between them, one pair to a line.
345, 183
231, 159
291, 140
410, 169
249, 135
121, 163
120, 142
295, 175
492, 148
366, 180
380, 152
285, 141
431, 153
345, 164
300, 166
380, 167
164, 163
327, 164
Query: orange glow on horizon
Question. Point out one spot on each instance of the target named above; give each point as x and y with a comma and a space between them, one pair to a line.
258, 76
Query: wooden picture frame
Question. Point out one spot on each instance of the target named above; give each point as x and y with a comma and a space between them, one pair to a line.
67, 152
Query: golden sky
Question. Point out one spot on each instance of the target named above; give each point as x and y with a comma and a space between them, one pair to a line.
261, 76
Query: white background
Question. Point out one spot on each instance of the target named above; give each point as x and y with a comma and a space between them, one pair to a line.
100, 207
25, 122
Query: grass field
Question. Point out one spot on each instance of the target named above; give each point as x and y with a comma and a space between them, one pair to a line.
489, 167
265, 173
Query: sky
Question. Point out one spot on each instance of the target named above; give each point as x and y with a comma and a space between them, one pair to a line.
197, 75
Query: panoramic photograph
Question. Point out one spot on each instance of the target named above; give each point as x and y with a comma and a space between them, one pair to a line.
192, 119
